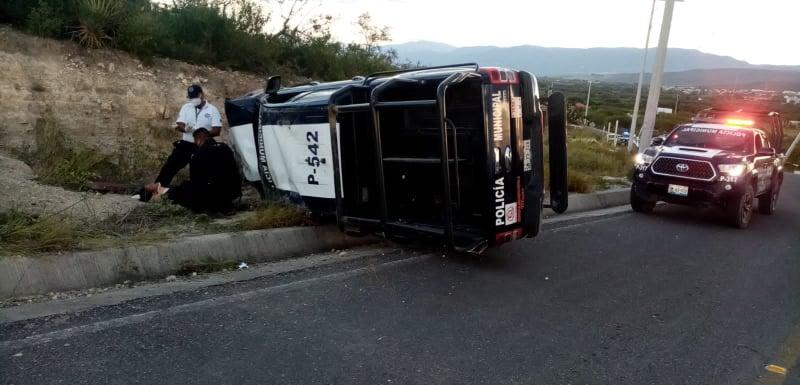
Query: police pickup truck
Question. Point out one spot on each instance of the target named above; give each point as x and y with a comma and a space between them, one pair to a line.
721, 162
453, 154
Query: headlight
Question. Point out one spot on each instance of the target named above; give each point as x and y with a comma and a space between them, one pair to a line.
642, 158
732, 169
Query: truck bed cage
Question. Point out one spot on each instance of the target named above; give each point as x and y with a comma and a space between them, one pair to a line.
448, 156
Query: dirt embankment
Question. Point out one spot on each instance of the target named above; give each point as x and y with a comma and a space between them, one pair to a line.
106, 100
21, 192
99, 96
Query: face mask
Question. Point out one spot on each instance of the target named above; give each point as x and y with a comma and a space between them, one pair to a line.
196, 101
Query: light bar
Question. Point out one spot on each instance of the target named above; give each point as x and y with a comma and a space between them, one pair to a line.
739, 122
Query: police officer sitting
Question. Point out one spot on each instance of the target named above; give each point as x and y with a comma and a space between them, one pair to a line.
214, 181
195, 114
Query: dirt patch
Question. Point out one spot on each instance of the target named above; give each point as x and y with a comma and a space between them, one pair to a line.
23, 193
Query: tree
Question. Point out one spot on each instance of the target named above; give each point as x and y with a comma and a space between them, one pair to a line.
373, 35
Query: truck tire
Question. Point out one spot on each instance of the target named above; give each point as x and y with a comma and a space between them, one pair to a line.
640, 205
768, 202
740, 208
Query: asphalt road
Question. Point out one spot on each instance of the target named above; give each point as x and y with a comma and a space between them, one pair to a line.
676, 297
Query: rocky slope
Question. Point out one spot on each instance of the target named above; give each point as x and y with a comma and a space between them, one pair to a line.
98, 96
104, 99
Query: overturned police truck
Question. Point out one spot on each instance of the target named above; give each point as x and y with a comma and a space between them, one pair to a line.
451, 154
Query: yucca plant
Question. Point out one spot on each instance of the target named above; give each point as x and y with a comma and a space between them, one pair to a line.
95, 17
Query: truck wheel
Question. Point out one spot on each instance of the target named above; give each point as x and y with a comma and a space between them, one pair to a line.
640, 205
740, 209
768, 201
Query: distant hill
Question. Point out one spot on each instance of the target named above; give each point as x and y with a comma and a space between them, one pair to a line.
567, 61
722, 78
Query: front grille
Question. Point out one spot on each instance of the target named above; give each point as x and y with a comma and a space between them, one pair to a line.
684, 168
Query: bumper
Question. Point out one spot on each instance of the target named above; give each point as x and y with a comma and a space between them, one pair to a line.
653, 188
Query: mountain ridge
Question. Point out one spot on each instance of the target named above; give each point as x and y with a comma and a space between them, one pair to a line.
556, 61
740, 78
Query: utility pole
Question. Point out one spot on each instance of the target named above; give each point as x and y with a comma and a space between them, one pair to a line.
677, 96
635, 116
657, 78
793, 145
616, 132
586, 113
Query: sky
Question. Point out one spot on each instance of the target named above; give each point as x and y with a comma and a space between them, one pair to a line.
760, 32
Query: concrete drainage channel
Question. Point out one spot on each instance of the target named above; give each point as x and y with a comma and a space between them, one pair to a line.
23, 276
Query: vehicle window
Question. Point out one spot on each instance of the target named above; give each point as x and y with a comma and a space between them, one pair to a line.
759, 143
314, 96
738, 141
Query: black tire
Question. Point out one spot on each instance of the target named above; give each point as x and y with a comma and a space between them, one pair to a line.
740, 209
640, 205
557, 131
769, 201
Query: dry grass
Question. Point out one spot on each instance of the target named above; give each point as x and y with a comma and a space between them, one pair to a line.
59, 161
23, 234
274, 215
589, 159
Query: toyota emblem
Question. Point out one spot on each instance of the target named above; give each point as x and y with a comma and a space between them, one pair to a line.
682, 167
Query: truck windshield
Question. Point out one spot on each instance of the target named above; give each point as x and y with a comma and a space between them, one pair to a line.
733, 140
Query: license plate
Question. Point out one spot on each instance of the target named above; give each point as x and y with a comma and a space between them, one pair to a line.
675, 189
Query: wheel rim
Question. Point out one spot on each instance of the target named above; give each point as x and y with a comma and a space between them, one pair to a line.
747, 208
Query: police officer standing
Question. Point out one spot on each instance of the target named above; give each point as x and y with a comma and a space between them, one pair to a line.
195, 114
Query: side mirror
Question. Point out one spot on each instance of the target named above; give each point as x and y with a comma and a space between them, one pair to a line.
766, 151
273, 84
657, 141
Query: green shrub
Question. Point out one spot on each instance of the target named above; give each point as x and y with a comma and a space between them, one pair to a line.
139, 34
45, 20
16, 11
96, 18
228, 34
199, 32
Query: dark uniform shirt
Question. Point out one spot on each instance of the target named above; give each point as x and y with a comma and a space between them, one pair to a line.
214, 180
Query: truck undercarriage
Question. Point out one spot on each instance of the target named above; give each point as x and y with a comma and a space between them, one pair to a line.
452, 154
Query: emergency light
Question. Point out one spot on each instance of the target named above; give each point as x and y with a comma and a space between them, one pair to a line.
739, 122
